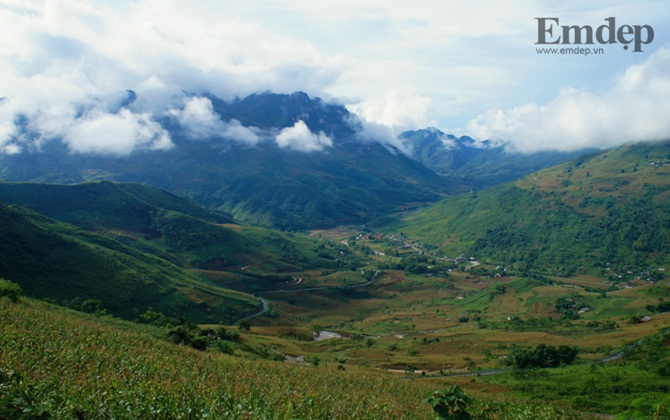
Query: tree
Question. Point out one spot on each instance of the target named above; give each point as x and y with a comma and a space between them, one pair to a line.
11, 290
543, 356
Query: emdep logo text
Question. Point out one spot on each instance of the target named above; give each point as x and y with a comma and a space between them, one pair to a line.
549, 32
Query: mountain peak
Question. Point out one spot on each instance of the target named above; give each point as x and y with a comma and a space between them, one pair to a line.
277, 110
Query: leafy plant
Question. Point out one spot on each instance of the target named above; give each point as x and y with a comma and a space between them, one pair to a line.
452, 403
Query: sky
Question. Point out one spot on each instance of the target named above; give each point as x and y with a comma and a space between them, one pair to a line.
465, 67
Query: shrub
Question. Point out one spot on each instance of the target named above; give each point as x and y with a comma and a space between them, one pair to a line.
543, 356
452, 403
11, 290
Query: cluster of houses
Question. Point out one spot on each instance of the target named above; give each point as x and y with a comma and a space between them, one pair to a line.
660, 163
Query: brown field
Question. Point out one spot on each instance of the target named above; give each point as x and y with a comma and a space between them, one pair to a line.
412, 320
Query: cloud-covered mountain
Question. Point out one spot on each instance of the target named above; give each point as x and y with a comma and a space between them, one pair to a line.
289, 161
477, 163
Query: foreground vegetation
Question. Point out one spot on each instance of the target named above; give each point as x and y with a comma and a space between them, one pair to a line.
57, 363
62, 364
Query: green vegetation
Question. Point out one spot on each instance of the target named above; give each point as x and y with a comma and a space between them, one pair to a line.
451, 403
49, 259
633, 386
542, 356
579, 217
135, 247
10, 290
489, 297
64, 365
102, 205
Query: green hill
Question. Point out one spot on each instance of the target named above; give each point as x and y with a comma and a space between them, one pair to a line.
102, 205
134, 247
607, 212
157, 222
51, 259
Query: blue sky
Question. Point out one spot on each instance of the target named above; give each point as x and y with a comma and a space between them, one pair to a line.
466, 67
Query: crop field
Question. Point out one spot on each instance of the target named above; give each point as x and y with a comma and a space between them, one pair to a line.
58, 363
436, 321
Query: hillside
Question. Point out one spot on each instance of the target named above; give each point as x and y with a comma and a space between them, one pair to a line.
102, 205
67, 365
606, 213
391, 305
344, 180
54, 260
171, 252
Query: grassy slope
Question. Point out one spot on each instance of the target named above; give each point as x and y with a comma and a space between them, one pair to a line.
63, 364
95, 205
69, 364
144, 245
611, 207
56, 260
165, 225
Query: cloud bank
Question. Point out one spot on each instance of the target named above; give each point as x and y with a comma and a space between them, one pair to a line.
635, 108
68, 66
300, 138
118, 134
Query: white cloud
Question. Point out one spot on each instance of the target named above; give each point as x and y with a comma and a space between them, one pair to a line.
396, 109
234, 130
369, 131
300, 138
198, 119
67, 65
7, 128
116, 134
200, 122
635, 108
402, 64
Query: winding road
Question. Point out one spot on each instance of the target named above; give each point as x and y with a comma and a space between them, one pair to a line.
266, 304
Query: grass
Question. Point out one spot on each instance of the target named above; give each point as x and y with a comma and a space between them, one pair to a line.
67, 365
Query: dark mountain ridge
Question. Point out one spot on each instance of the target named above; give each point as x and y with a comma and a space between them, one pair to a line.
350, 181
478, 163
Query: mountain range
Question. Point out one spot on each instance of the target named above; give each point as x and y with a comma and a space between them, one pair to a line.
286, 161
477, 163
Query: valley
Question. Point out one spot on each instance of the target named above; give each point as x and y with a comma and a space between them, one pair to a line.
549, 290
